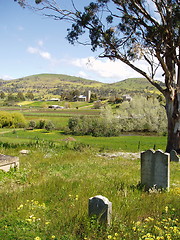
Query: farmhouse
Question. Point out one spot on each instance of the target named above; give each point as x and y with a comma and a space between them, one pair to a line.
83, 98
55, 106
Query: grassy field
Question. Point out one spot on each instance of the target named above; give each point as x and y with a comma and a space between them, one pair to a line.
47, 198
121, 143
59, 117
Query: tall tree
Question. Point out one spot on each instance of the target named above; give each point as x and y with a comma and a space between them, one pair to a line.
129, 30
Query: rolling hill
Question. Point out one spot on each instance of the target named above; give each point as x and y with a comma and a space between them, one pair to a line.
56, 84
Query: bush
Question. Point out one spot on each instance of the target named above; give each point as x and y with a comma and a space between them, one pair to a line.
141, 114
32, 124
18, 120
15, 120
98, 126
41, 124
5, 119
49, 126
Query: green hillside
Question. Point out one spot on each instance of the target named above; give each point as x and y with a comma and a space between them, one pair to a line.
56, 84
47, 83
134, 84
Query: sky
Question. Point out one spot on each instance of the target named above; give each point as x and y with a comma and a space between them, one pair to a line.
33, 44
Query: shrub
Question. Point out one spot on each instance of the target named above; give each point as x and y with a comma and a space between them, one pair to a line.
141, 114
49, 126
18, 120
32, 124
5, 119
98, 126
15, 120
41, 124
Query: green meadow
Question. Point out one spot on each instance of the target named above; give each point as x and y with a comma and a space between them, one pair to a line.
131, 143
47, 197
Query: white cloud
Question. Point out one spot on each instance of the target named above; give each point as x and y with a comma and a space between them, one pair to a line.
82, 74
38, 51
6, 77
45, 55
109, 71
32, 50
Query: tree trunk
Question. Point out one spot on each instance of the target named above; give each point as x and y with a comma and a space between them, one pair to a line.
173, 117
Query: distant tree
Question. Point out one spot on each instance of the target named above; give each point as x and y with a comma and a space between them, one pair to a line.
29, 95
32, 124
49, 126
11, 97
20, 96
2, 95
129, 30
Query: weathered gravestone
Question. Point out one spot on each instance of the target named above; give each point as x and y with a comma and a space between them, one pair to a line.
7, 162
174, 157
155, 169
101, 208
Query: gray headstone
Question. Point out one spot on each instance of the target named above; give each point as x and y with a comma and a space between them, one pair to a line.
101, 207
174, 157
7, 162
155, 169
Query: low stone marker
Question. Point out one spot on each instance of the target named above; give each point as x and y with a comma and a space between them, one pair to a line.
174, 157
101, 208
155, 169
7, 162
24, 151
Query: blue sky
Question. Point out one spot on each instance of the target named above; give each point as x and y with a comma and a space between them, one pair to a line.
32, 44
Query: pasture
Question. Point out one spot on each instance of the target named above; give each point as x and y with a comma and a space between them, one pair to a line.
47, 197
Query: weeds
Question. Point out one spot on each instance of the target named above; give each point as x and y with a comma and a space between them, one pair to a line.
47, 197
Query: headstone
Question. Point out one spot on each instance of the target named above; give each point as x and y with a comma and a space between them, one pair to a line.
7, 162
174, 157
101, 208
155, 169
25, 151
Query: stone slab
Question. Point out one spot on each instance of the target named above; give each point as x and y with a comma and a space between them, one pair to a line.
7, 162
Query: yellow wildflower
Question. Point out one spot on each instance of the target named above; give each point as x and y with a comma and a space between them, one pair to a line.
21, 206
109, 237
37, 238
53, 237
166, 209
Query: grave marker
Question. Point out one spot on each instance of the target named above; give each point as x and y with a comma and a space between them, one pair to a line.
155, 169
174, 157
7, 162
101, 208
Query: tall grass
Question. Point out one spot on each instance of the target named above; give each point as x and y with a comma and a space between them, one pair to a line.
47, 197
